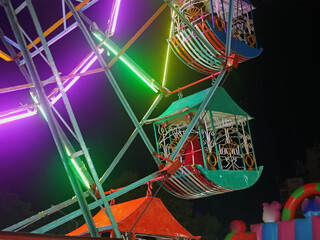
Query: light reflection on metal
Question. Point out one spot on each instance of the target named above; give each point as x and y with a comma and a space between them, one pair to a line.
34, 98
88, 63
114, 17
26, 113
78, 169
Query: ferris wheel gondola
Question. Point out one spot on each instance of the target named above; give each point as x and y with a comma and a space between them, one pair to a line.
224, 159
199, 23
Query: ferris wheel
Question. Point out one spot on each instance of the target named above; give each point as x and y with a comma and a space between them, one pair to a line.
203, 142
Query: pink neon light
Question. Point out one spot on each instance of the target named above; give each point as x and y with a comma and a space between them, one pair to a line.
54, 99
86, 64
114, 16
18, 116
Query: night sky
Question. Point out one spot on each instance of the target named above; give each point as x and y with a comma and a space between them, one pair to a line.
280, 89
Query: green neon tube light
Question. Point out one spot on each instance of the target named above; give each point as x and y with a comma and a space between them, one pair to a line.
78, 169
126, 62
167, 56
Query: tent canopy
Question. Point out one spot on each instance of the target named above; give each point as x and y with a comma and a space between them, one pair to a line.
156, 220
222, 105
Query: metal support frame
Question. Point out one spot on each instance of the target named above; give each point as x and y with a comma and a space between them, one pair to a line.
103, 178
202, 148
65, 30
213, 89
95, 204
72, 117
130, 140
24, 223
30, 236
59, 135
196, 117
113, 82
51, 120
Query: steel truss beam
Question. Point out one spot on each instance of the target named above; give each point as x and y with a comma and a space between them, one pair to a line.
69, 202
58, 133
51, 120
69, 145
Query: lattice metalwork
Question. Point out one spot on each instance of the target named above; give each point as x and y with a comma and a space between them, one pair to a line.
216, 16
227, 145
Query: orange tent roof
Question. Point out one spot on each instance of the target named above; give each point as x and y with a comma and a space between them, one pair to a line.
156, 220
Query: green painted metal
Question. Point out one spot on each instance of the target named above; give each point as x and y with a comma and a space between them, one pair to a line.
232, 179
155, 136
215, 140
297, 193
81, 141
286, 214
93, 230
202, 147
42, 214
318, 187
222, 103
204, 104
51, 120
118, 91
158, 120
130, 140
95, 204
216, 53
72, 118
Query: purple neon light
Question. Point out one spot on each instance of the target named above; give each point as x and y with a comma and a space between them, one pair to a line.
114, 17
87, 64
55, 96
26, 113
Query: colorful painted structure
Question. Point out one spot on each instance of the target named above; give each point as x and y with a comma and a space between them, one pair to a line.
289, 228
139, 217
297, 229
227, 154
296, 198
201, 44
209, 52
241, 236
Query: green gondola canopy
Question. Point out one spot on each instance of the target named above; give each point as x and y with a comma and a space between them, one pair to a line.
222, 106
